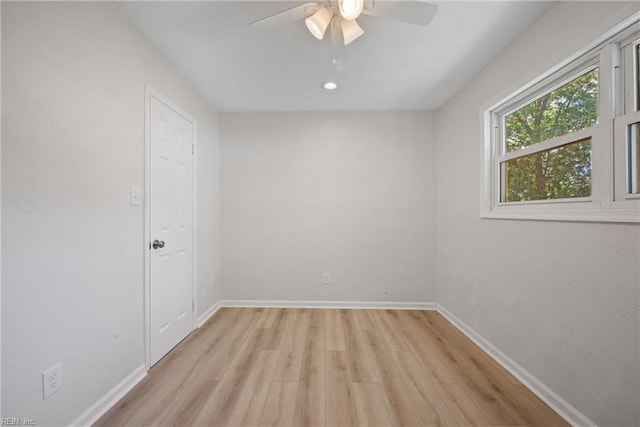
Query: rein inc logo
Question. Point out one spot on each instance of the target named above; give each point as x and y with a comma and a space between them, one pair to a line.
16, 421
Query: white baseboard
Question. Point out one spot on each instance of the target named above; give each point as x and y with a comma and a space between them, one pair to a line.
548, 396
331, 304
103, 404
207, 314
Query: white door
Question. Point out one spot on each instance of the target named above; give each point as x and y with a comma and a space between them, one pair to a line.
171, 223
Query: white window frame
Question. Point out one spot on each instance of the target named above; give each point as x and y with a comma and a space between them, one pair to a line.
628, 116
617, 95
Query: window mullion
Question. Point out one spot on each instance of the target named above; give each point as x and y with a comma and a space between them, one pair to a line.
630, 83
602, 149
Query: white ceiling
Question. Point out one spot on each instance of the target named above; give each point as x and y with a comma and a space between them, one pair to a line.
393, 66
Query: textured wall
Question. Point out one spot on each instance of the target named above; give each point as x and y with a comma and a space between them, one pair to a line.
561, 299
348, 193
73, 82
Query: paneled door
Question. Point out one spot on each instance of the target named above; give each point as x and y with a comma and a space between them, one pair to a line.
171, 306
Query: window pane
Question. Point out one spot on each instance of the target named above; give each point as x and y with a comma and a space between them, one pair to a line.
569, 108
561, 173
637, 71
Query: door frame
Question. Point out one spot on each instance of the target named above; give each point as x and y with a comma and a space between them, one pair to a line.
150, 92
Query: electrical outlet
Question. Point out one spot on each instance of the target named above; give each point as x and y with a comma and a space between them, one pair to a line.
51, 380
326, 278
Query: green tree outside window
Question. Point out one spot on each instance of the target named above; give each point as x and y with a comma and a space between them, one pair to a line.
563, 172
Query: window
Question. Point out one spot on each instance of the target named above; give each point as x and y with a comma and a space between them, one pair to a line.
545, 158
567, 146
627, 130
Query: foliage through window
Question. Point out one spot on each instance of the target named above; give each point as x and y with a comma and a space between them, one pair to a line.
555, 173
572, 107
558, 173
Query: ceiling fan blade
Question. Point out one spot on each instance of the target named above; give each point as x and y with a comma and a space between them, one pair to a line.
411, 12
286, 16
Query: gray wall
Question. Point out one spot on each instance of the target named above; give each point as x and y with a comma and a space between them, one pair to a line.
352, 194
561, 299
73, 79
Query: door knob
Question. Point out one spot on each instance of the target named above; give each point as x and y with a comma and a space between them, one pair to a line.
157, 244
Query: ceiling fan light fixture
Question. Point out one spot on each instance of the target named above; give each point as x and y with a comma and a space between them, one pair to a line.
350, 31
318, 22
350, 9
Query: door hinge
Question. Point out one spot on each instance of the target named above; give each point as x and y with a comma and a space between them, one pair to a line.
193, 149
193, 305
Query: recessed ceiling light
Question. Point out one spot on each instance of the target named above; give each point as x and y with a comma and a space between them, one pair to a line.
329, 85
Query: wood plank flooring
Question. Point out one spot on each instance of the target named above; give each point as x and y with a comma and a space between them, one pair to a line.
313, 367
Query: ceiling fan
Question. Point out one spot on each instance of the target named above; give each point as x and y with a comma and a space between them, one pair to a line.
341, 15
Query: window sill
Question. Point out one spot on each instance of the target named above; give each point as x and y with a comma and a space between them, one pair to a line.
629, 216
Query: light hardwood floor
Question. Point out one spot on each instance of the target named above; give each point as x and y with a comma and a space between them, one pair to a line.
303, 367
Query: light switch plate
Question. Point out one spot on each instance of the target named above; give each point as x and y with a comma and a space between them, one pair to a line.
135, 195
